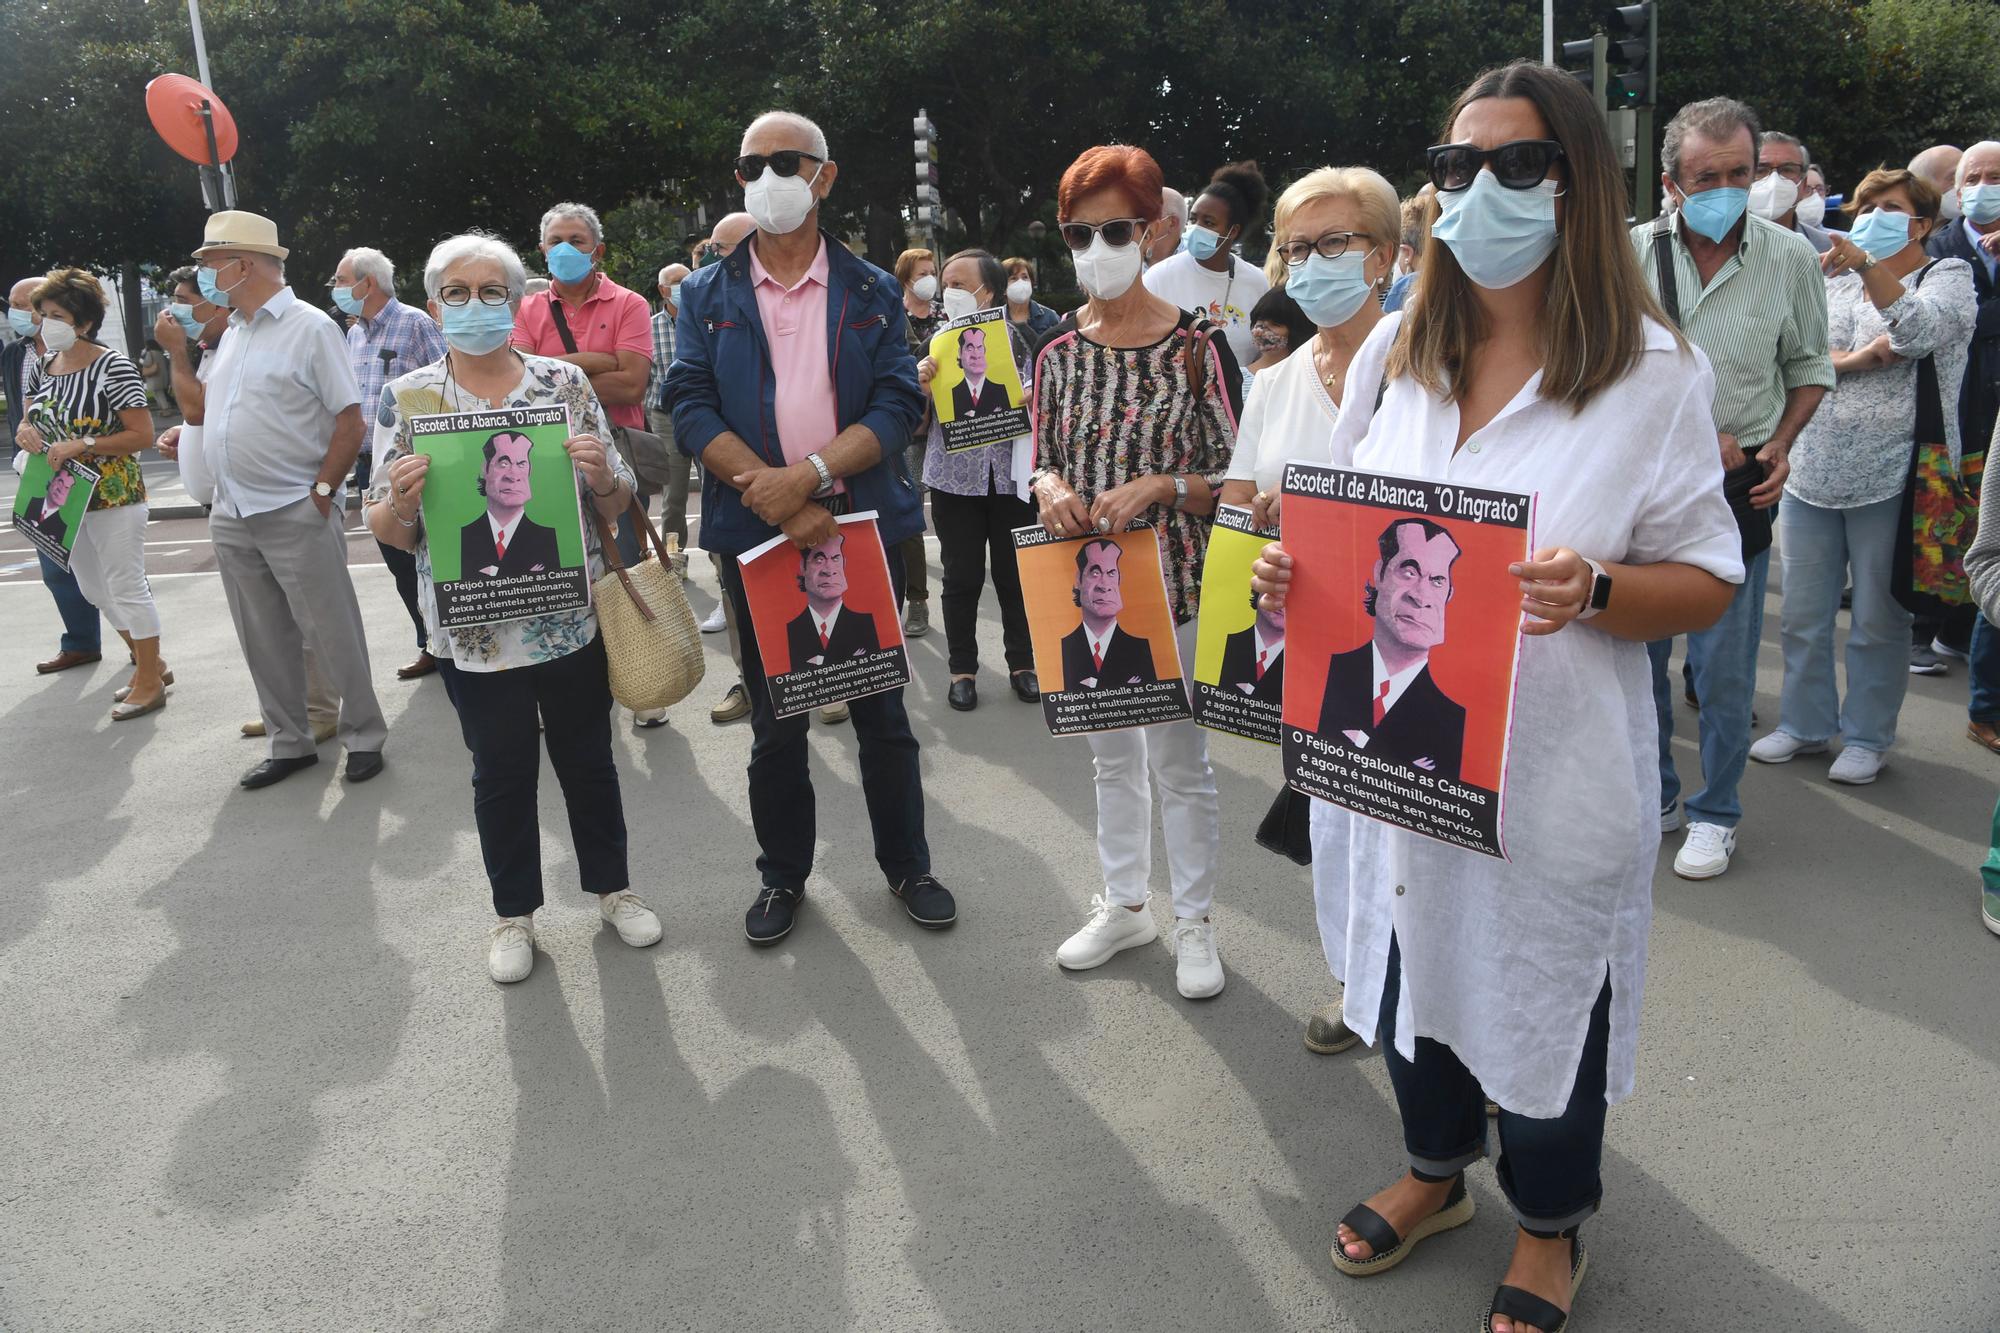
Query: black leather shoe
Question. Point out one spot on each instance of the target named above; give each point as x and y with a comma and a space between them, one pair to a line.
1027, 687
363, 764
928, 902
275, 770
963, 695
771, 917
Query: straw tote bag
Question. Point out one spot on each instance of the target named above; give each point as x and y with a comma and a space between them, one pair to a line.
650, 637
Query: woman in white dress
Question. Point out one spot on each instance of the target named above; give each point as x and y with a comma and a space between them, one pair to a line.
1531, 360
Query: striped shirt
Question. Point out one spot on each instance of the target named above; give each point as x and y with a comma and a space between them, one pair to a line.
394, 343
88, 402
663, 358
1761, 320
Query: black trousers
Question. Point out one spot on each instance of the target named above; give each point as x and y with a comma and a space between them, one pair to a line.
1548, 1169
497, 712
969, 528
403, 565
782, 808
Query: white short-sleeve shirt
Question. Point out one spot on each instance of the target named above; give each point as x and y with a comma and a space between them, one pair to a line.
1290, 415
1503, 960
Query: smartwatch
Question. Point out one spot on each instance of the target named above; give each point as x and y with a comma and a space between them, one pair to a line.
1600, 590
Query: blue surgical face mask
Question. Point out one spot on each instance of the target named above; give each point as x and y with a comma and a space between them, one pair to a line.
1981, 203
1498, 236
344, 298
476, 328
1713, 212
567, 263
204, 278
184, 316
1201, 242
23, 322
1881, 233
674, 296
1329, 290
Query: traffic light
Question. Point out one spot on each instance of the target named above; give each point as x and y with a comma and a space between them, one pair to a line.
928, 211
1586, 62
1632, 55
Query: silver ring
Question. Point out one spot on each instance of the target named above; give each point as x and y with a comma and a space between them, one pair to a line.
1104, 525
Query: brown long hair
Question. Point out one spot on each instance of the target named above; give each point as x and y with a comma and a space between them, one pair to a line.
1592, 325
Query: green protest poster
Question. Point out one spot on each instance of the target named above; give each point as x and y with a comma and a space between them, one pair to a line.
49, 507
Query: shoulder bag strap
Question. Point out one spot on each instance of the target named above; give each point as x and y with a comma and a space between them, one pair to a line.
608, 542
562, 324
1195, 354
1663, 263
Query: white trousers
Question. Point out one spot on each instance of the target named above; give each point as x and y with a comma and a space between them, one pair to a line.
1176, 755
109, 561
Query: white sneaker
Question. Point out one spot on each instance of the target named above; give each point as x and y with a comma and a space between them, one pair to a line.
717, 621
1670, 818
1943, 649
1781, 747
510, 949
633, 920
1111, 928
1856, 765
1197, 966
1706, 852
649, 718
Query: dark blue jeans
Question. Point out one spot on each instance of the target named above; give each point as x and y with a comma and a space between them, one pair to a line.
497, 712
403, 565
1984, 671
1548, 1169
782, 810
81, 631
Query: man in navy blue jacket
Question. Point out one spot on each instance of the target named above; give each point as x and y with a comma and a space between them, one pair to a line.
794, 388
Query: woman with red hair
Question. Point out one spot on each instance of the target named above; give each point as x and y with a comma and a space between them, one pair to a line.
1135, 418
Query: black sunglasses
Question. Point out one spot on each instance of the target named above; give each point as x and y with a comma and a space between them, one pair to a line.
1520, 165
785, 162
1117, 233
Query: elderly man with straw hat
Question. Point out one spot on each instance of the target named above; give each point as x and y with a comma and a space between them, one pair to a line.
282, 430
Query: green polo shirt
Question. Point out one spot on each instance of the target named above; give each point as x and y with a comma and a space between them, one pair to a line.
1761, 321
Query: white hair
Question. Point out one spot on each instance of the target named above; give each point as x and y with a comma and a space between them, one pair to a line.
815, 136
367, 263
661, 281
583, 213
475, 245
1959, 176
1173, 204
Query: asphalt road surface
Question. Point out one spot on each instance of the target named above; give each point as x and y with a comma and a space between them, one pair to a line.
257, 1078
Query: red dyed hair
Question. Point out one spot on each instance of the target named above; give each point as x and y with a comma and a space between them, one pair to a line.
1114, 167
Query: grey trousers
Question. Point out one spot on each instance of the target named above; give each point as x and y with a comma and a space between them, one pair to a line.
285, 575
674, 510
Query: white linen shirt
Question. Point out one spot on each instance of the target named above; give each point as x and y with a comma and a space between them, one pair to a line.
1503, 960
1291, 415
280, 378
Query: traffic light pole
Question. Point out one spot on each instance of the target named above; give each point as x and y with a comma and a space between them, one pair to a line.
1645, 193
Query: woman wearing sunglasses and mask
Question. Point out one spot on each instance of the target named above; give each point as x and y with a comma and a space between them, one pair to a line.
1532, 359
978, 497
1135, 416
1208, 277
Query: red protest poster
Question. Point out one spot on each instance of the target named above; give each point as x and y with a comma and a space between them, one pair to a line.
826, 619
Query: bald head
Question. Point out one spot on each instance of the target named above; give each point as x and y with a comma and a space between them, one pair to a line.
17, 295
730, 232
775, 130
1938, 165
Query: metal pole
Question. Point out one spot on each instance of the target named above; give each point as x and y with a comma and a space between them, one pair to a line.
1645, 189
1548, 31
200, 46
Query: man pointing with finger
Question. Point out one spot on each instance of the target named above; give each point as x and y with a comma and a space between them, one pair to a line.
794, 388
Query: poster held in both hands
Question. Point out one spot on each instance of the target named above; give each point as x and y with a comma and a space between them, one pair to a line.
826, 619
976, 391
1405, 645
52, 505
1103, 629
503, 514
1239, 653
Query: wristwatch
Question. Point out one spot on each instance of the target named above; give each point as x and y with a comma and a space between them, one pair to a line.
1180, 492
825, 476
323, 490
1600, 591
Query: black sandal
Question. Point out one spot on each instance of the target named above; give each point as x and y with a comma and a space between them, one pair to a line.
1524, 1307
1388, 1248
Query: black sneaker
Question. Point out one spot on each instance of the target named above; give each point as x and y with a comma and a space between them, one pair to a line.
770, 918
928, 902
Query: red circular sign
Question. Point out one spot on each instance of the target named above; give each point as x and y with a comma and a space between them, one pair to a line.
173, 103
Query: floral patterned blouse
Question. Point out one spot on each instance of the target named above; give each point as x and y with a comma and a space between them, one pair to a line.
1108, 415
87, 402
545, 382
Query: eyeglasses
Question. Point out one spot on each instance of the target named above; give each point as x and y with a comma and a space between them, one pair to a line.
1520, 165
1117, 233
785, 162
1330, 246
458, 294
1791, 171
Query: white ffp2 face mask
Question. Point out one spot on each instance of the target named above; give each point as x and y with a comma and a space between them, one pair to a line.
1107, 272
1812, 209
780, 203
58, 336
1773, 197
958, 303
925, 288
1019, 290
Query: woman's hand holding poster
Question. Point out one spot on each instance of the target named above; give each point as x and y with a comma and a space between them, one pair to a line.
1404, 645
976, 391
826, 619
502, 514
51, 504
1239, 652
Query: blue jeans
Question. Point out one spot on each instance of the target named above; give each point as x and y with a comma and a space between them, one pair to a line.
1820, 546
1724, 658
81, 632
1984, 705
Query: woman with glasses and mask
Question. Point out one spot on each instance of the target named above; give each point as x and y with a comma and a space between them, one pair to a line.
1531, 360
1135, 416
1208, 277
1890, 309
978, 497
523, 684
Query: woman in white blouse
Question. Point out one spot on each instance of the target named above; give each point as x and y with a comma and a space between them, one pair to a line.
1531, 360
1888, 311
